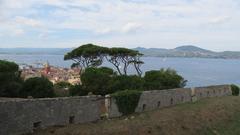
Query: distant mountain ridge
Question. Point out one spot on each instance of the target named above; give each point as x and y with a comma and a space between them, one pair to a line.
191, 48
37, 51
188, 51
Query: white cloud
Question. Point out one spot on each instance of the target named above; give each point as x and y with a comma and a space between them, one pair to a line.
125, 21
104, 31
131, 27
18, 32
219, 19
27, 21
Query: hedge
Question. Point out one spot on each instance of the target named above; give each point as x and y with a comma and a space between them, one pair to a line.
127, 100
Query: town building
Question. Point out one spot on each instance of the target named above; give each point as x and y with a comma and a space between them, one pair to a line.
54, 74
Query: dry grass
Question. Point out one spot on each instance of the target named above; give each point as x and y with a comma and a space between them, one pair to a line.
217, 116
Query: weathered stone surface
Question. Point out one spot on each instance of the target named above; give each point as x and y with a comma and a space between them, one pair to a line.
21, 115
113, 109
151, 100
212, 91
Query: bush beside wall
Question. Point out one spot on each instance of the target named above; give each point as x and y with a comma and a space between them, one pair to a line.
37, 87
127, 100
235, 90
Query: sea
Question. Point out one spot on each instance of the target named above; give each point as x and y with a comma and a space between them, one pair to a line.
198, 71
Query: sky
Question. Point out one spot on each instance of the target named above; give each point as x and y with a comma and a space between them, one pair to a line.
210, 24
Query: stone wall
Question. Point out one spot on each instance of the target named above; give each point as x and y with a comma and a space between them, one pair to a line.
151, 100
19, 116
212, 91
156, 99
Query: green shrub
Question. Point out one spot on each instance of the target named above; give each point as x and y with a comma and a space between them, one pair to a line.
11, 89
96, 80
10, 81
6, 66
127, 100
38, 87
124, 82
107, 70
77, 90
235, 90
163, 79
62, 85
61, 92
61, 89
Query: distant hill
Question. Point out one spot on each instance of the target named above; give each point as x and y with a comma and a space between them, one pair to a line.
187, 51
181, 51
191, 48
32, 51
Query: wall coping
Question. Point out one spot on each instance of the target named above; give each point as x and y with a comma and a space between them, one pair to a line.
3, 99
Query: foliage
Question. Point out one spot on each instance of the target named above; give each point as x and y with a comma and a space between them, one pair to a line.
235, 90
163, 79
10, 81
6, 66
102, 81
61, 85
124, 82
87, 55
125, 57
10, 89
75, 65
61, 92
38, 87
107, 70
77, 90
96, 80
61, 89
137, 63
90, 55
127, 100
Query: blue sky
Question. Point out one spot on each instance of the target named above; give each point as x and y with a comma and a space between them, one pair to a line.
211, 24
